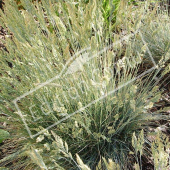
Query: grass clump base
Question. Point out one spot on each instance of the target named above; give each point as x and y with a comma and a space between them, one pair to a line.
99, 91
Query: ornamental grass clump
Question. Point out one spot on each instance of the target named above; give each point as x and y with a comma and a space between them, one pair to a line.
153, 25
77, 99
